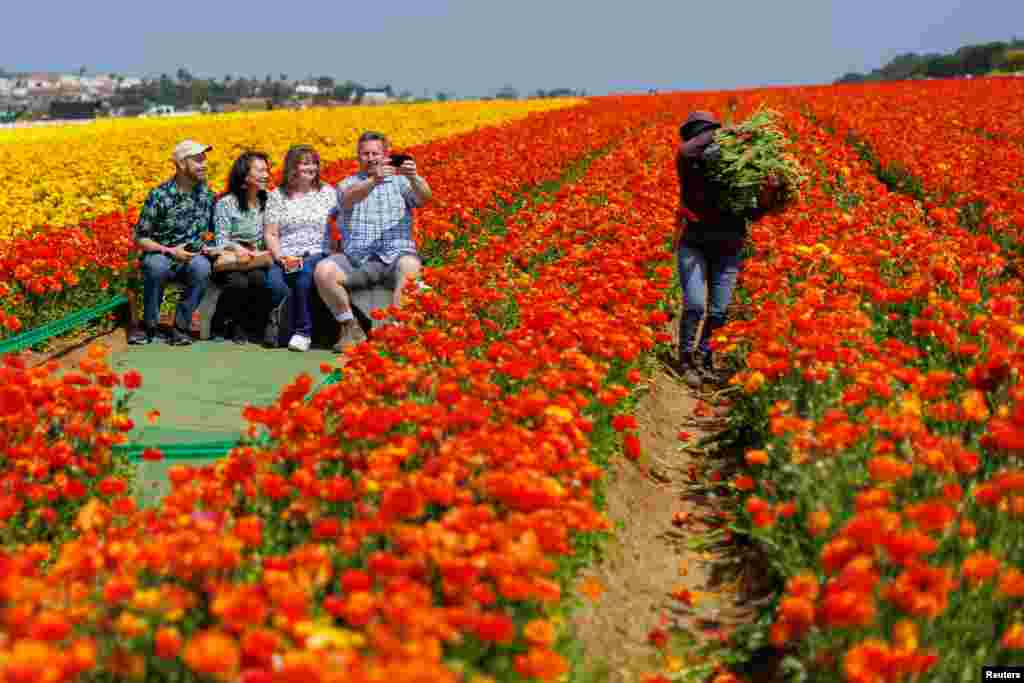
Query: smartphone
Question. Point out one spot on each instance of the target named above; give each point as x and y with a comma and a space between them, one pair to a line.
399, 159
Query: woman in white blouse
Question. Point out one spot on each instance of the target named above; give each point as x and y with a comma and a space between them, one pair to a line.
297, 233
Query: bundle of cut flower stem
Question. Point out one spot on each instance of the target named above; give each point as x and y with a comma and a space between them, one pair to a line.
748, 154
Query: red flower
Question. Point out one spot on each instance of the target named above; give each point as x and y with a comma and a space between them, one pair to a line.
132, 379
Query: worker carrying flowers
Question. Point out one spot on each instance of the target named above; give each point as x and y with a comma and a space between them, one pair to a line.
727, 177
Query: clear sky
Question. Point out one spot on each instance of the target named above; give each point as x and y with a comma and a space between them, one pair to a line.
474, 47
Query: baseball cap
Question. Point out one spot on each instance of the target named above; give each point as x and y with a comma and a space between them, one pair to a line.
189, 148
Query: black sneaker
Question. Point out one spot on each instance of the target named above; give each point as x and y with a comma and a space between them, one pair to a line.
179, 338
691, 374
238, 334
272, 334
141, 334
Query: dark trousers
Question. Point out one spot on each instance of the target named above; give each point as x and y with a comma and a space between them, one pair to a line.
157, 271
300, 286
244, 300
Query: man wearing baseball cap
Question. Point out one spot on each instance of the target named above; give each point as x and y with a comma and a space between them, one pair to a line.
170, 234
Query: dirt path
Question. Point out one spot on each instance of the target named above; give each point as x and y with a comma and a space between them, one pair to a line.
658, 517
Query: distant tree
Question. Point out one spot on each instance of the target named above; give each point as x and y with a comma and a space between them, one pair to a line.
1013, 60
851, 77
166, 93
442, 96
325, 83
562, 92
344, 91
268, 80
507, 93
975, 60
283, 77
227, 78
81, 71
184, 76
405, 95
199, 90
980, 59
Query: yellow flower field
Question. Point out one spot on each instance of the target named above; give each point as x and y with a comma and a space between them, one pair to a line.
61, 176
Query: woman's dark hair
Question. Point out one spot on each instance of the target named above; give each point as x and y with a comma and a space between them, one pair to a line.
238, 175
291, 163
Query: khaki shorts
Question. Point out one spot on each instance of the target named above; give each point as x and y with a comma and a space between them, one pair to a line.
370, 273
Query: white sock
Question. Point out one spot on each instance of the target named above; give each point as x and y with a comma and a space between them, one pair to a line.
344, 317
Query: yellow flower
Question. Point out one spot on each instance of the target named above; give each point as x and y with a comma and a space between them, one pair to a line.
81, 172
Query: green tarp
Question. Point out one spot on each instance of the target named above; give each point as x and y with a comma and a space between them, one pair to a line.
200, 391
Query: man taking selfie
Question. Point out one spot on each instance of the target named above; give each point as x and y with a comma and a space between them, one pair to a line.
375, 223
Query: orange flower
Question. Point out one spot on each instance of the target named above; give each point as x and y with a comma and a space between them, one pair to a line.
1013, 639
684, 595
921, 590
1011, 583
867, 662
760, 511
212, 653
979, 567
803, 585
818, 522
744, 483
167, 643
658, 638
974, 406
905, 634
798, 612
541, 663
845, 609
886, 468
592, 588
539, 632
756, 457
931, 516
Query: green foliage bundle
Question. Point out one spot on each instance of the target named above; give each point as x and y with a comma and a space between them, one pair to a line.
748, 154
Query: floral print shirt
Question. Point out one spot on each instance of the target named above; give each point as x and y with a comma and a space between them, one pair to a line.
303, 220
173, 218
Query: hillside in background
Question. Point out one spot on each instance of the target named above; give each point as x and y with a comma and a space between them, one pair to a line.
970, 60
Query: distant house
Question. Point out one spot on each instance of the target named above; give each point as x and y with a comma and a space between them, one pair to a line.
254, 103
307, 89
246, 104
159, 110
130, 82
6, 86
100, 85
43, 84
376, 97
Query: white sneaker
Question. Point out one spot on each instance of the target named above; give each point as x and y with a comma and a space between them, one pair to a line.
299, 342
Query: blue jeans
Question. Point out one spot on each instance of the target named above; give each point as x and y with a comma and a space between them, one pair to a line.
699, 271
300, 285
157, 271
